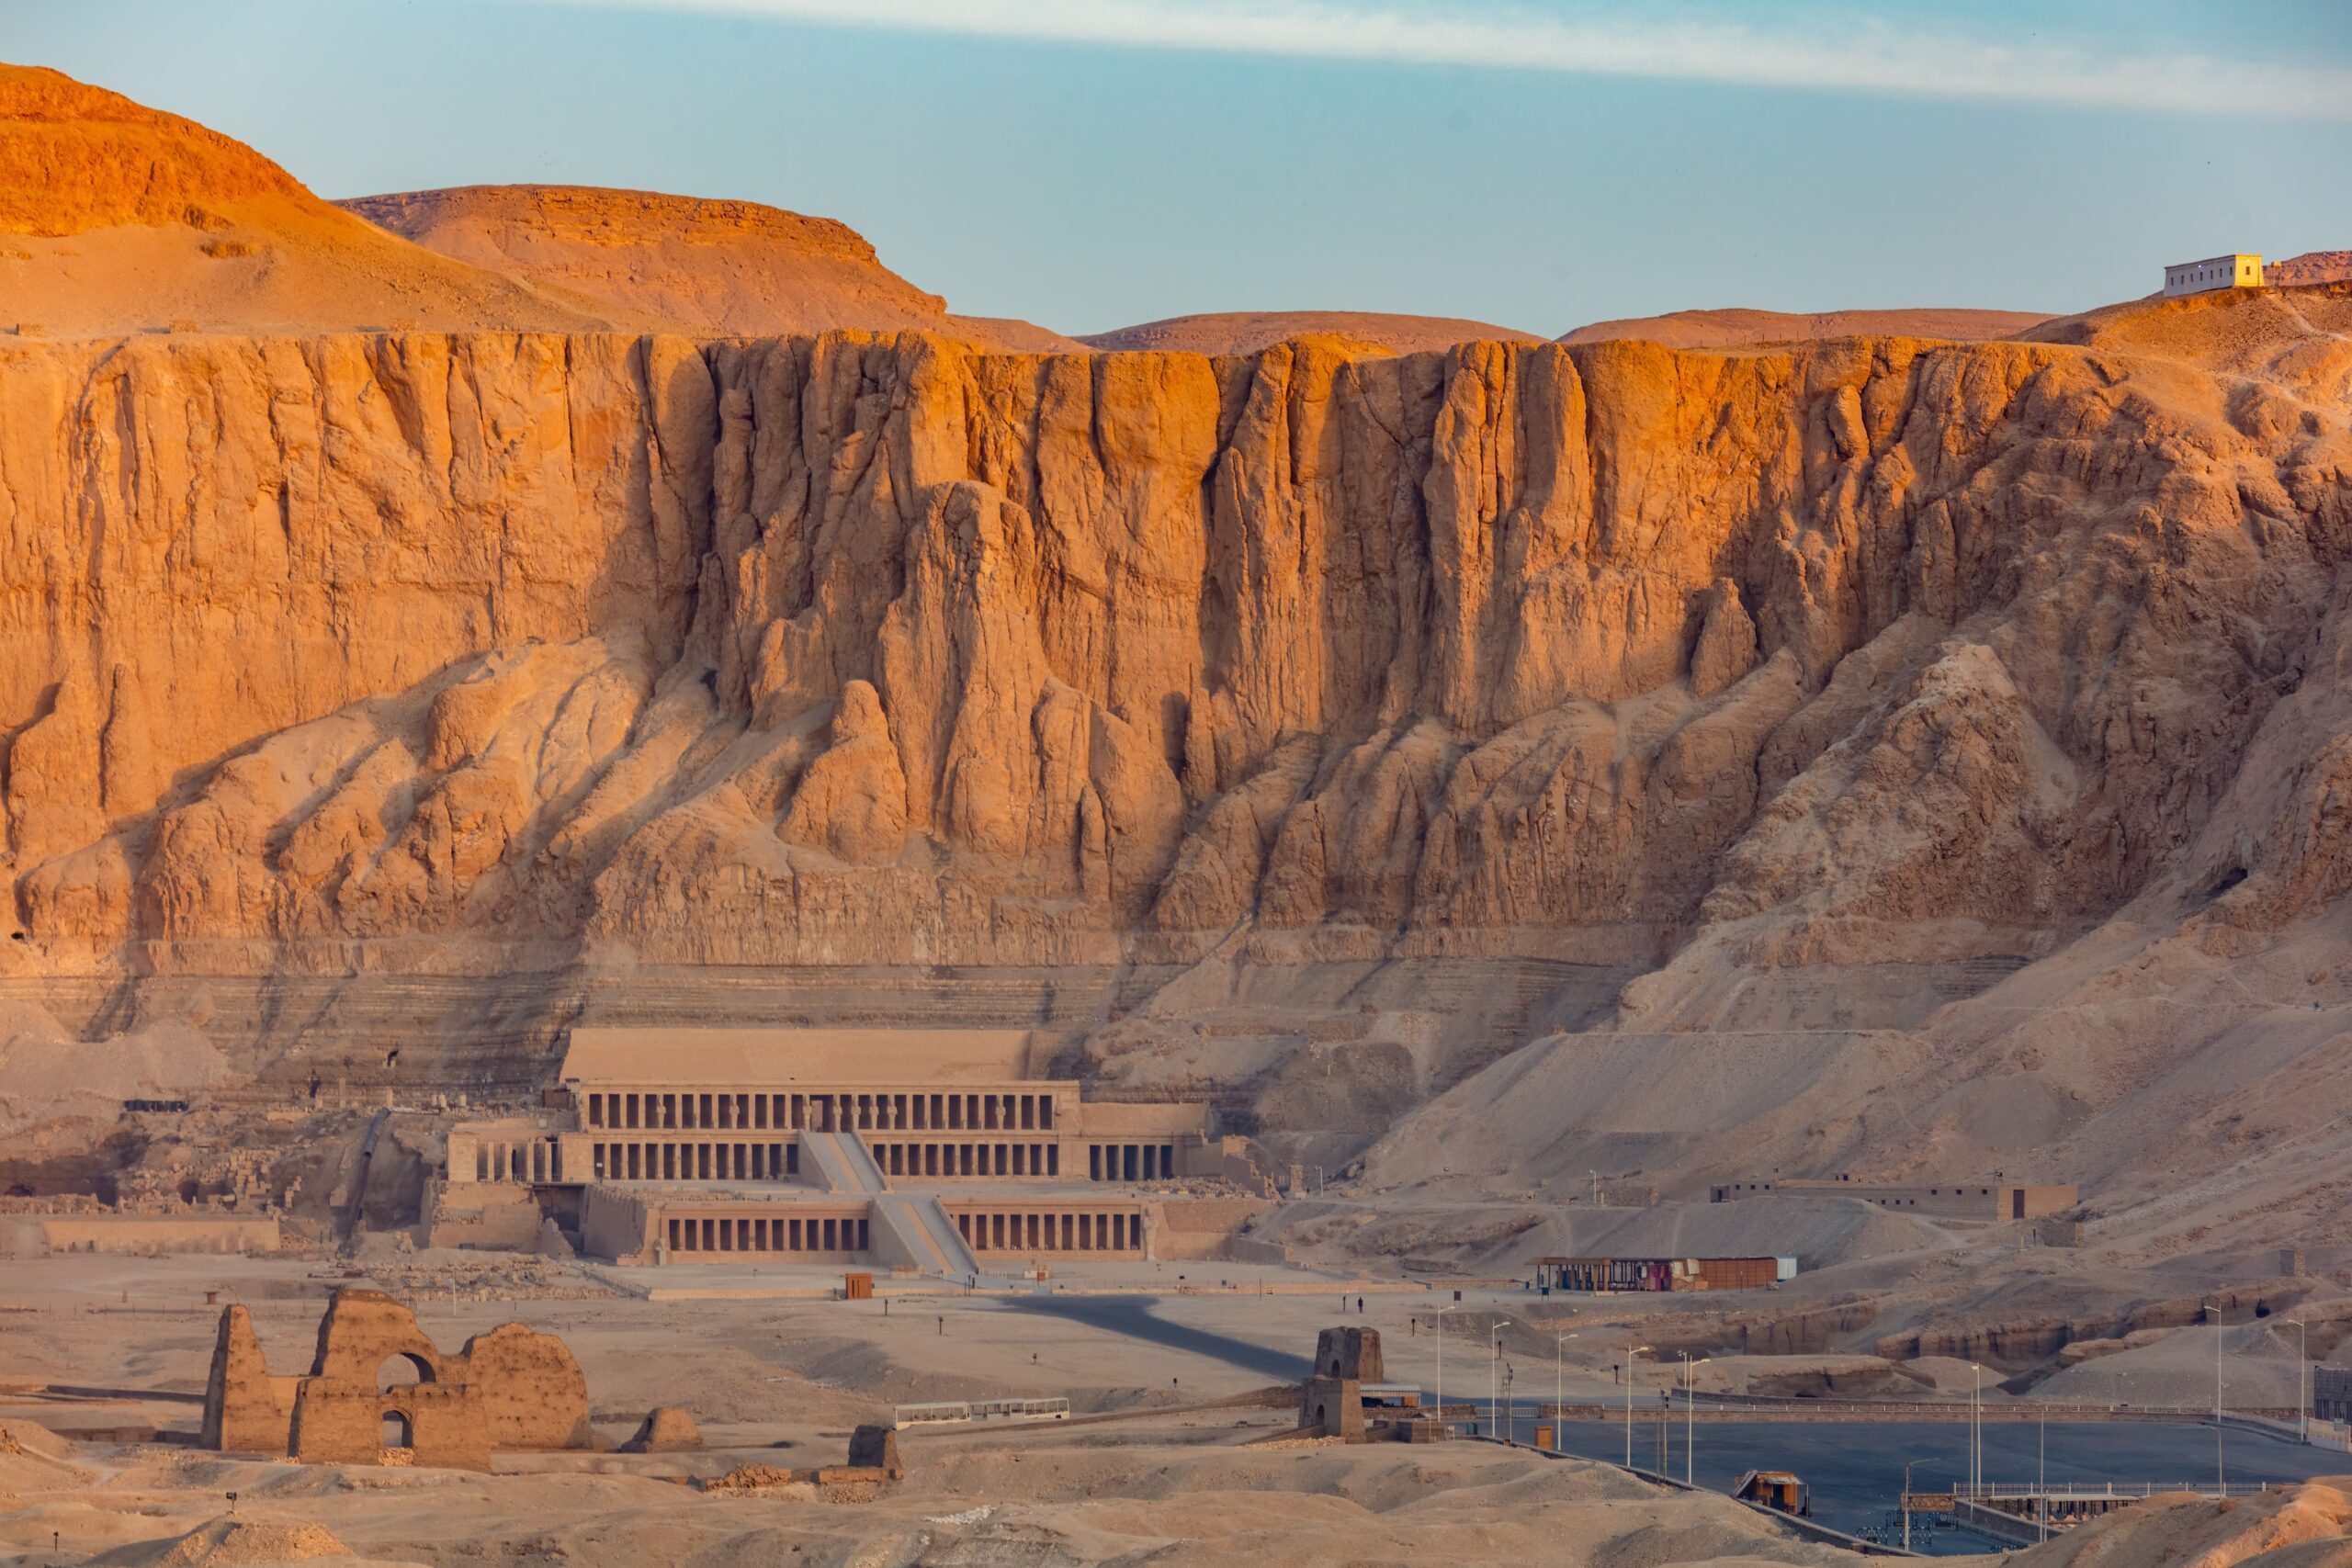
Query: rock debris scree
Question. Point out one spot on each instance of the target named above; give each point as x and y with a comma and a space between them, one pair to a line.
873, 1465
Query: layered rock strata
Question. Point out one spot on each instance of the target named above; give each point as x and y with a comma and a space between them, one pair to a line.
882, 650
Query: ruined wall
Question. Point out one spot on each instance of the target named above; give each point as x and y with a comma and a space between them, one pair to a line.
533, 1395
157, 1236
876, 1448
341, 1423
493, 1216
616, 1224
1350, 1353
1200, 1227
362, 1329
245, 1409
510, 1388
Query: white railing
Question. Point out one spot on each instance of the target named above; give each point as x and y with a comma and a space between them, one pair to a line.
2026, 1491
948, 1411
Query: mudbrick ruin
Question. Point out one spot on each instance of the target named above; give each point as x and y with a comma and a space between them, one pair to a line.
378, 1391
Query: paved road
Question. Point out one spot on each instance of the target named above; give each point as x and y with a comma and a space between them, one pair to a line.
1135, 1316
1855, 1468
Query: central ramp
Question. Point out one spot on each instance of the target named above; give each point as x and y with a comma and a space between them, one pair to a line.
843, 1164
916, 1230
907, 1227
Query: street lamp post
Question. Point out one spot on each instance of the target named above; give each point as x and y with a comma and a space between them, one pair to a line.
1906, 1502
1440, 1366
1495, 1376
2302, 1387
1632, 1350
1559, 1392
1690, 1420
2220, 1467
1976, 1431
2041, 1484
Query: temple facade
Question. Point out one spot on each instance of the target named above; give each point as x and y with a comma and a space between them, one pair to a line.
931, 1149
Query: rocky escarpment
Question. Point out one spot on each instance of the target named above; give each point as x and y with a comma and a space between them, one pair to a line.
887, 650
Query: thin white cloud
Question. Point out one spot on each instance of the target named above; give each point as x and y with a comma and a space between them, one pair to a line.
1843, 53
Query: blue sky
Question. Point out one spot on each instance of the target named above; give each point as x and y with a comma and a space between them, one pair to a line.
1089, 164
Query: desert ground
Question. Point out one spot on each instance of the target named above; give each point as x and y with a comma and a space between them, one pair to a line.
1172, 1453
1159, 1461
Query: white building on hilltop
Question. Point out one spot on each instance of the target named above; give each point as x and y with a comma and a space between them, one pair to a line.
2213, 272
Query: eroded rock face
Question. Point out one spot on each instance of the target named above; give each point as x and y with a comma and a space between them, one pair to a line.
853, 799
882, 650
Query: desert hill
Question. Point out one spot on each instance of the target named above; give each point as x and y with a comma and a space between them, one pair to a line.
75, 157
2306, 1525
684, 264
115, 217
2260, 333
118, 218
2312, 267
1739, 328
1249, 332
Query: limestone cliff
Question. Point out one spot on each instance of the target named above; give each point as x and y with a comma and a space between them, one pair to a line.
888, 650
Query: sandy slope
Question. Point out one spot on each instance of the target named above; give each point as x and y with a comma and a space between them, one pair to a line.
1740, 328
683, 263
1064, 1504
1246, 332
2297, 1527
1163, 1497
2286, 337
